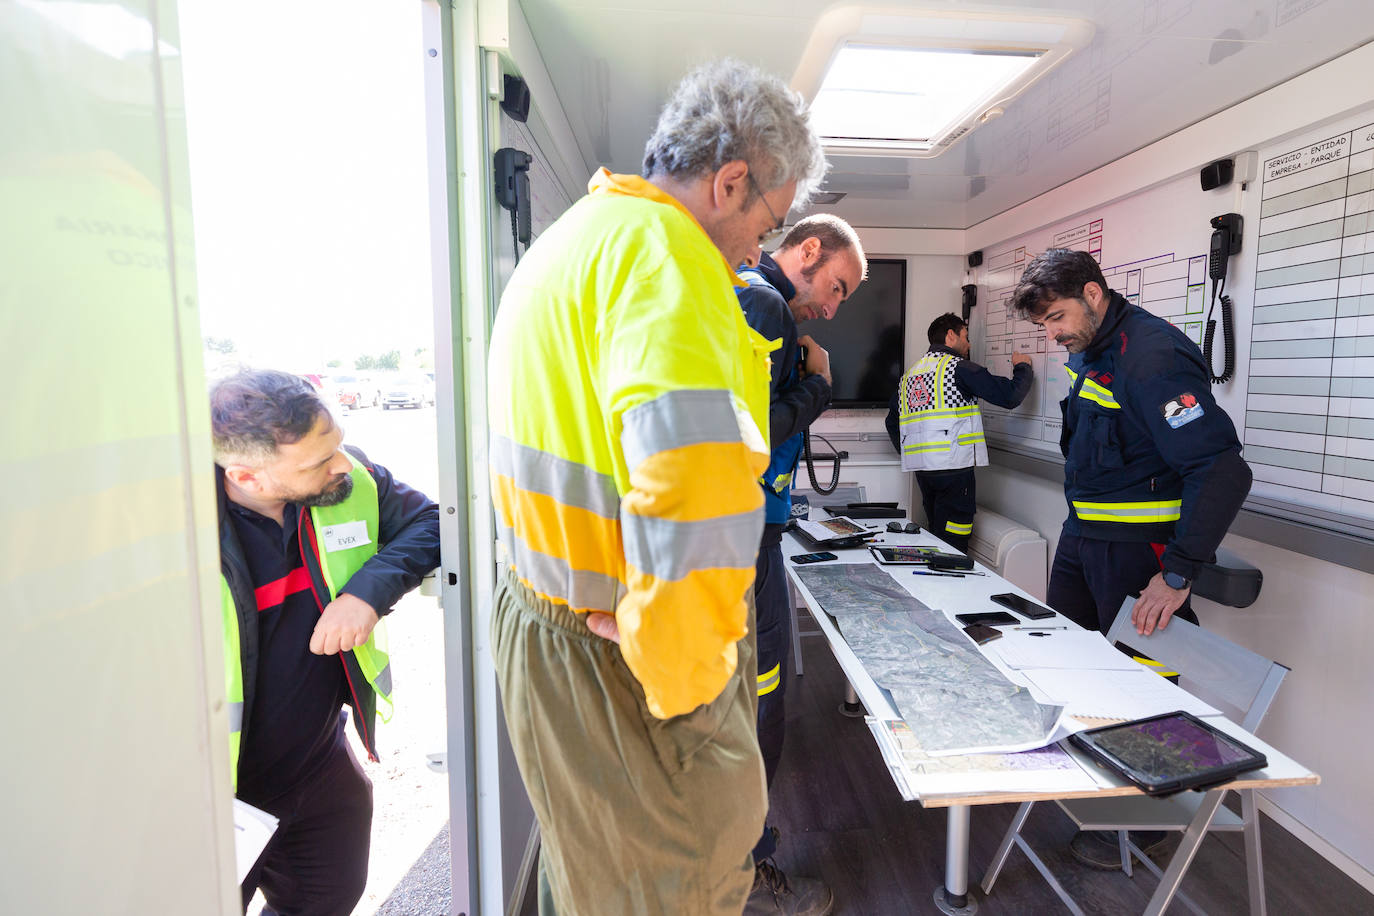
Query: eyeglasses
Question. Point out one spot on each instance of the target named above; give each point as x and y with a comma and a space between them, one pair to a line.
774, 235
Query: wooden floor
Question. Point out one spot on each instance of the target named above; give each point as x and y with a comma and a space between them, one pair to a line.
843, 821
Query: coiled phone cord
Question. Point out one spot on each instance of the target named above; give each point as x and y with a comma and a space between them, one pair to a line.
1228, 335
811, 465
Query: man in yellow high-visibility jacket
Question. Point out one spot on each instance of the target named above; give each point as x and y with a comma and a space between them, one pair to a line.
628, 404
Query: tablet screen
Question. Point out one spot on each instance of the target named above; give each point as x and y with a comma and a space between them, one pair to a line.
1171, 747
902, 554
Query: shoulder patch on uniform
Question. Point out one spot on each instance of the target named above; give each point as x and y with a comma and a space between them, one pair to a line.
1181, 410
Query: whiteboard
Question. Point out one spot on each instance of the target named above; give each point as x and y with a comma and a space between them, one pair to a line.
1309, 412
1302, 398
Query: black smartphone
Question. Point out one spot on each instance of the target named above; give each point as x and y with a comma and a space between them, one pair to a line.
948, 561
990, 618
981, 633
814, 557
1027, 609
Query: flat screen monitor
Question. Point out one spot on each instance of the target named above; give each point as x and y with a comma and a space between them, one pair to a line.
866, 337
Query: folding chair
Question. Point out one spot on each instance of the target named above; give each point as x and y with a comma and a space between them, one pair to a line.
1217, 670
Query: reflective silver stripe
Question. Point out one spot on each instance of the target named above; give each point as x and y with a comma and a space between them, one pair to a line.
382, 683
236, 717
676, 419
567, 481
552, 576
670, 550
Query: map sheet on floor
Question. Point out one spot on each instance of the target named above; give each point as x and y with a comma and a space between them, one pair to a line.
954, 699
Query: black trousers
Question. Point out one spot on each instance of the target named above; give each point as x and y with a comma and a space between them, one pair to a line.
950, 500
316, 862
774, 629
1090, 578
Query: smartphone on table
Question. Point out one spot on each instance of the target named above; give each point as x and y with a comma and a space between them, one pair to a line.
982, 633
987, 618
1027, 609
814, 557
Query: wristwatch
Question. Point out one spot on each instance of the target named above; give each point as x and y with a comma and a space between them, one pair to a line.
1175, 581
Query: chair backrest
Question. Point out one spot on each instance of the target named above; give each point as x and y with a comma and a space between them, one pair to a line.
1222, 669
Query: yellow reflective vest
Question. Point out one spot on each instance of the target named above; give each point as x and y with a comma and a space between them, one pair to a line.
366, 668
627, 402
941, 428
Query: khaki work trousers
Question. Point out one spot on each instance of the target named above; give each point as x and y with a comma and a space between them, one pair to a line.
638, 815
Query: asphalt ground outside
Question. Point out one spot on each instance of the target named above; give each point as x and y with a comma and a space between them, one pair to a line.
409, 869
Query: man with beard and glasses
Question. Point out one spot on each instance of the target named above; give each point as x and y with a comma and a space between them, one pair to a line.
1153, 472
316, 545
817, 267
628, 407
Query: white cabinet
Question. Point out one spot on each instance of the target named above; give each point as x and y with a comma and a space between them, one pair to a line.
883, 480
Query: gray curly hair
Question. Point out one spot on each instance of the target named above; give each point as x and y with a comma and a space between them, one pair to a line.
728, 110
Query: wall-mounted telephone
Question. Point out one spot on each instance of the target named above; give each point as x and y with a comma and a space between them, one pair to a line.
806, 455
512, 168
1226, 235
1225, 243
970, 299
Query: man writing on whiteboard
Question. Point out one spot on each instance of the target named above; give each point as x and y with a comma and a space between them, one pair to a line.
936, 425
1153, 472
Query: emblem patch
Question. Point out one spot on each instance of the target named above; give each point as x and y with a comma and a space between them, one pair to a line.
1181, 410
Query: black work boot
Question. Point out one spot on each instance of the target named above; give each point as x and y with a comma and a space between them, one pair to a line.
774, 893
1100, 848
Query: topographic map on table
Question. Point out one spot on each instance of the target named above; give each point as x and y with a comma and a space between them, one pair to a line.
954, 699
1046, 769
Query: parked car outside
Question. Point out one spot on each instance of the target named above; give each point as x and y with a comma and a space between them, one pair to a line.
412, 390
316, 380
355, 391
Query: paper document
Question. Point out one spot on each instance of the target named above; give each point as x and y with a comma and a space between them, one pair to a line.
1082, 649
1048, 769
1113, 694
253, 827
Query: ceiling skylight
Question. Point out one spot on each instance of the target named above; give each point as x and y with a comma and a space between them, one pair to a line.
907, 94
912, 82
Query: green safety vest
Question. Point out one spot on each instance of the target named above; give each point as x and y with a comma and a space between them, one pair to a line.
337, 568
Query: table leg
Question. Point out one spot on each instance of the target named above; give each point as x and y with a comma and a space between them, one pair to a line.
851, 706
1183, 856
796, 631
953, 898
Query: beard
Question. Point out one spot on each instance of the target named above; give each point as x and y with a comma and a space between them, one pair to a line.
1081, 337
334, 492
803, 304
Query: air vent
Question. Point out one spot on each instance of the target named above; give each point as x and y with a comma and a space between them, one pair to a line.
954, 136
